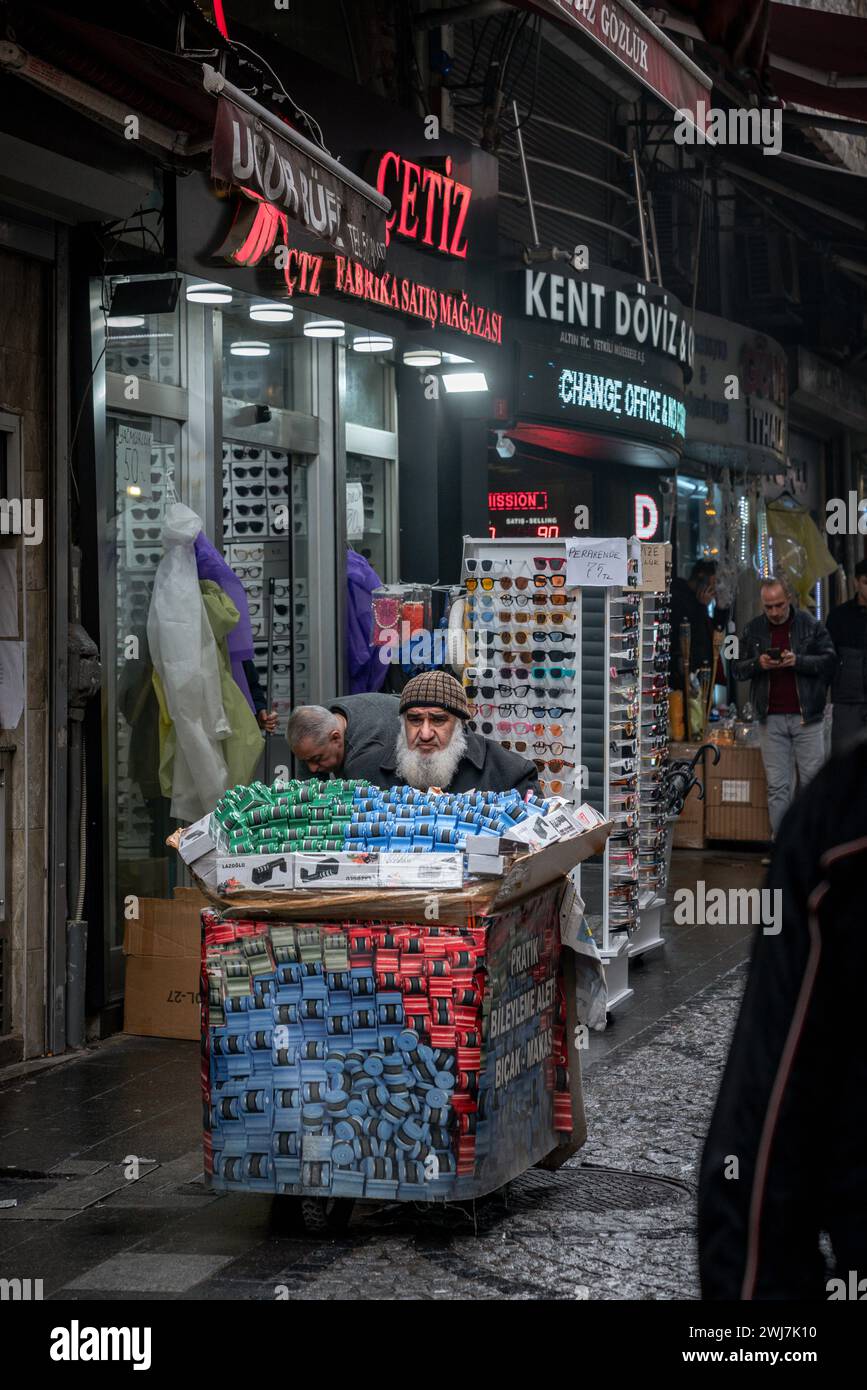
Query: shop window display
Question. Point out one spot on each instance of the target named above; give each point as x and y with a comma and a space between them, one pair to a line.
370, 475
148, 346
699, 512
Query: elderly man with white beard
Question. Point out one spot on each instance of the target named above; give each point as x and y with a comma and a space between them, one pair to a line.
434, 748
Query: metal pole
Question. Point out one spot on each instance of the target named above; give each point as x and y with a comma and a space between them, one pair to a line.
652, 219
698, 239
218, 86
643, 229
531, 210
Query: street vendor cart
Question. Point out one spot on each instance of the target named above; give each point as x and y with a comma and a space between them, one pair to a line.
394, 1045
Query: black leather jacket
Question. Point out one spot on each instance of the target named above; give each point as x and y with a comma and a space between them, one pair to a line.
815, 660
848, 628
789, 1105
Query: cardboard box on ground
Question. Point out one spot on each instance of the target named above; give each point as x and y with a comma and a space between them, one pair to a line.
162, 947
737, 797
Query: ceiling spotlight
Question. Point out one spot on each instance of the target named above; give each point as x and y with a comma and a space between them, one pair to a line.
209, 292
464, 381
134, 490
324, 328
249, 349
125, 320
453, 357
372, 342
423, 357
272, 313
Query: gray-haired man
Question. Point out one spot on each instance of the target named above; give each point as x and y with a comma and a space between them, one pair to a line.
348, 739
789, 658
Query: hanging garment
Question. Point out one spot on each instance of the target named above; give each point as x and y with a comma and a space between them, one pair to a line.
245, 744
799, 549
186, 675
242, 747
211, 565
366, 671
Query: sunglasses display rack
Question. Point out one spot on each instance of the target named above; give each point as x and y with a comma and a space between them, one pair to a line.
591, 719
522, 627
655, 831
256, 495
614, 681
260, 489
139, 551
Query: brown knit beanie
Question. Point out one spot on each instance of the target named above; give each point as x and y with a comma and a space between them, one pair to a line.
435, 688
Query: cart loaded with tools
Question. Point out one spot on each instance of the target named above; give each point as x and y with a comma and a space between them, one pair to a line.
388, 1006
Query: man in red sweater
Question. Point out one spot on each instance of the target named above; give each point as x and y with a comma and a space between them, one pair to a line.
789, 658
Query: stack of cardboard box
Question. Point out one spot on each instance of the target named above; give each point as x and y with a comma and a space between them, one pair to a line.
162, 945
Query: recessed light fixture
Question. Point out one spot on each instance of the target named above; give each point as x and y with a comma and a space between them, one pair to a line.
372, 342
249, 349
423, 357
464, 381
126, 320
209, 292
272, 313
454, 357
324, 328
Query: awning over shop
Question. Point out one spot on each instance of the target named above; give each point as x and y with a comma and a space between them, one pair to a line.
636, 44
819, 59
812, 57
587, 446
81, 63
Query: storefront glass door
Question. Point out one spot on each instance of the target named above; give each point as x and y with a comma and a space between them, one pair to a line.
144, 450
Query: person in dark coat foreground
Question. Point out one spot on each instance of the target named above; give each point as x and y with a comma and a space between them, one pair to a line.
786, 1156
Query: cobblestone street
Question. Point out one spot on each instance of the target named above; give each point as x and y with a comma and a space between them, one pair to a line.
67, 1133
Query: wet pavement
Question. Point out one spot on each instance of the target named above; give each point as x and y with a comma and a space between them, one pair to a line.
617, 1222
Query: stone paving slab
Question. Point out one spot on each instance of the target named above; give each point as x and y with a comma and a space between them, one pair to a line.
137, 1273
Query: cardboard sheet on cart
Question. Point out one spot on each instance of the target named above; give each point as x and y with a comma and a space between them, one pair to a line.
527, 874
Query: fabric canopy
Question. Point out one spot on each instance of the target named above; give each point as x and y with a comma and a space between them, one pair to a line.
813, 54
810, 57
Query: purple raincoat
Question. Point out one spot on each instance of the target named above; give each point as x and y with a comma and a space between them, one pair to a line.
211, 565
366, 671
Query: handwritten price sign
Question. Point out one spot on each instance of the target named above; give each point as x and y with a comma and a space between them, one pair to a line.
596, 562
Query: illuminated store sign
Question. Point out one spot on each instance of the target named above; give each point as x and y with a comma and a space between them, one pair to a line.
569, 389
646, 516
627, 319
438, 307
517, 501
429, 207
613, 397
269, 166
260, 230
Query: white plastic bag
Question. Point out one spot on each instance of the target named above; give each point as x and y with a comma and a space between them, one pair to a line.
184, 654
